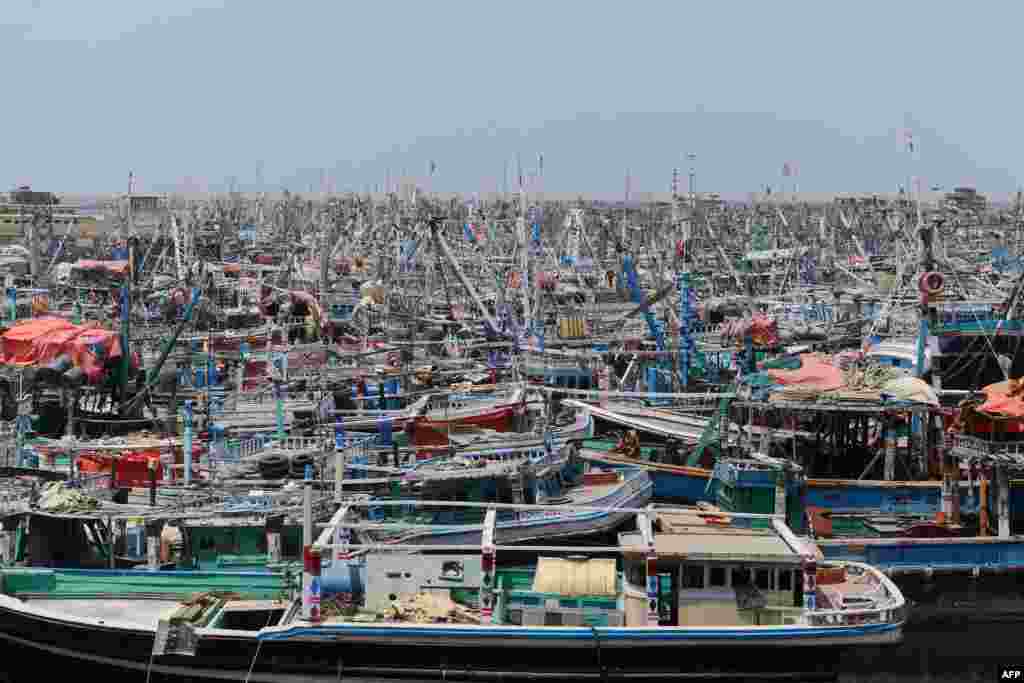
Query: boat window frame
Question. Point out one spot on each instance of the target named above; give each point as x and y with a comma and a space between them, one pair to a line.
636, 568
734, 569
760, 572
684, 584
726, 576
788, 574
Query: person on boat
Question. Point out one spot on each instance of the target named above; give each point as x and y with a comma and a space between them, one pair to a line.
629, 445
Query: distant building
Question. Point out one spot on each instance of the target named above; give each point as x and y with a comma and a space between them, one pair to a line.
26, 195
965, 199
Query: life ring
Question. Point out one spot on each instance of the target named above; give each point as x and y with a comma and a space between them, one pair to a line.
931, 284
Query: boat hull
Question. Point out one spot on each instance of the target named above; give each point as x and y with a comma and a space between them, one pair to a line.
634, 493
690, 484
436, 651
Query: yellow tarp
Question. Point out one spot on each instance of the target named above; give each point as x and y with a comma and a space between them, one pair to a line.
575, 577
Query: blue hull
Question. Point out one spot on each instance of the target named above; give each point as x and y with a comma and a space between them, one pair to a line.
902, 555
840, 495
683, 487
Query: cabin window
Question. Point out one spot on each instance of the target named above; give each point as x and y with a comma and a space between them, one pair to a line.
636, 574
693, 576
740, 577
763, 579
717, 577
785, 580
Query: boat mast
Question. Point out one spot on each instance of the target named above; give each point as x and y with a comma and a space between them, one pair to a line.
524, 259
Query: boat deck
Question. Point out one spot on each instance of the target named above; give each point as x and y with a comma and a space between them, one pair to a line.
584, 494
131, 612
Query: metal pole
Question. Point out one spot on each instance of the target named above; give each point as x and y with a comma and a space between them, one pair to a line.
279, 408
187, 448
126, 360
307, 508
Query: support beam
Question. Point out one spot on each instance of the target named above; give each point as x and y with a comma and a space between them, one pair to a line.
890, 449
450, 257
307, 508
646, 529
273, 527
187, 447
153, 531
488, 561
1003, 477
780, 492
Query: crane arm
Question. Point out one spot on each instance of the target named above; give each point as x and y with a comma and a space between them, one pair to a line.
446, 251
638, 298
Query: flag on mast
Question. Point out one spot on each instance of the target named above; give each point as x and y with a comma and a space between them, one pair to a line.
786, 170
433, 167
540, 164
909, 137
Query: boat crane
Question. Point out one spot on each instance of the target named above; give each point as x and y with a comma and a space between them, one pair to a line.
442, 246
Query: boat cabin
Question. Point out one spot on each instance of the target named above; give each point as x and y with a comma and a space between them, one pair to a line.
711, 572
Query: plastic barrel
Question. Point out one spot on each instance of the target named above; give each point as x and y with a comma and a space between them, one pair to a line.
343, 576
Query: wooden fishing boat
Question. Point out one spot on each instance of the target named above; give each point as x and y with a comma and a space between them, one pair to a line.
698, 598
695, 484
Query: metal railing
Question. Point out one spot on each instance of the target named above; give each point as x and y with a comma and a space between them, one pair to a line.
963, 446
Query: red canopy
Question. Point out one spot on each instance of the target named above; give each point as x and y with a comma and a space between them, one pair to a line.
42, 340
115, 268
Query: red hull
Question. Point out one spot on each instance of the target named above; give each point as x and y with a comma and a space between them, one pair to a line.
435, 432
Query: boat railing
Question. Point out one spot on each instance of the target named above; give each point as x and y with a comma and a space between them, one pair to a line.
254, 446
891, 607
347, 518
966, 446
99, 481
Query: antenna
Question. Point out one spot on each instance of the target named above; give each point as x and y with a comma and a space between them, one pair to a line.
691, 157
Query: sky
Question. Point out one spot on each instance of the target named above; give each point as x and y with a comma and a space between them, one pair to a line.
275, 93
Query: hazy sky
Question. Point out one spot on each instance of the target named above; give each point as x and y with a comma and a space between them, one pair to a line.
206, 89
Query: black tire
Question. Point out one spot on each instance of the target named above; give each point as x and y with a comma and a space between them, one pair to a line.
299, 462
273, 461
278, 473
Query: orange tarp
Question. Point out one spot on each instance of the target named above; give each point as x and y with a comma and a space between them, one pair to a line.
119, 268
42, 340
1004, 399
18, 341
815, 373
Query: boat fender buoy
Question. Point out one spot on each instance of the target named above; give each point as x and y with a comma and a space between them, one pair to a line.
931, 284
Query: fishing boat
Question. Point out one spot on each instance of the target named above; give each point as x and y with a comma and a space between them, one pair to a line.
682, 596
543, 474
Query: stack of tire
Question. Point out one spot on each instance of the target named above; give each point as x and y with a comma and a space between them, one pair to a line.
298, 464
274, 466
